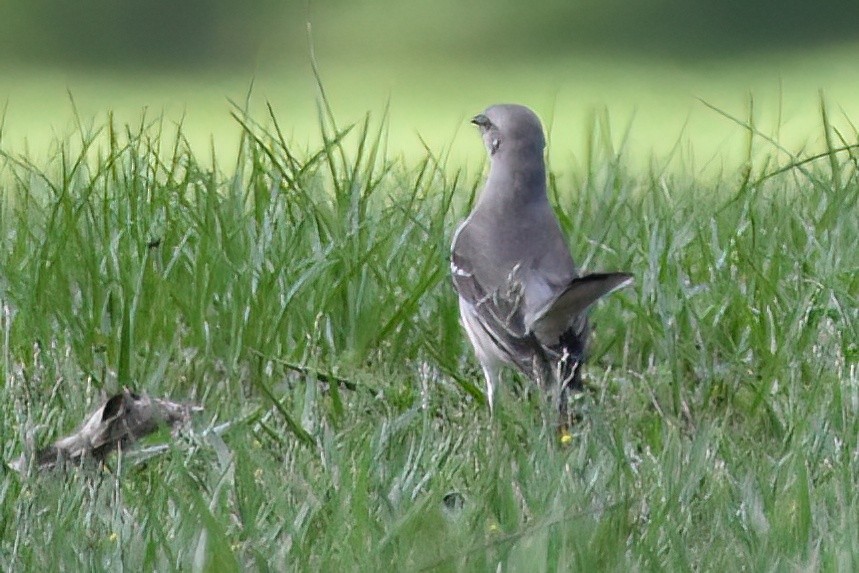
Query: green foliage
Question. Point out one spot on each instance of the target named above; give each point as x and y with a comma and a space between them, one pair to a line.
158, 33
301, 297
218, 34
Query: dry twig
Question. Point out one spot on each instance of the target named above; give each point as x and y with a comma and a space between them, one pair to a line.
122, 420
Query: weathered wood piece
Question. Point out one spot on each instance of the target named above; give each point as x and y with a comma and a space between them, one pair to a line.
122, 420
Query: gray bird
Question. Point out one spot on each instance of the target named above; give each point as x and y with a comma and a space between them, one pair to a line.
521, 299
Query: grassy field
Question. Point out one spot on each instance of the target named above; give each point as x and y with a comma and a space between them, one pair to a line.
720, 428
654, 102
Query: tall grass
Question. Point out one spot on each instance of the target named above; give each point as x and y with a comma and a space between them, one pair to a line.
301, 296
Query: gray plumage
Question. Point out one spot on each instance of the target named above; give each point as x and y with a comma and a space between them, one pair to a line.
521, 299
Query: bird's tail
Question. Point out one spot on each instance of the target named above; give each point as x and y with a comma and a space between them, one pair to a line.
554, 318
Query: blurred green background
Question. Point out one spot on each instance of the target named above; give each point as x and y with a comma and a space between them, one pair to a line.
437, 62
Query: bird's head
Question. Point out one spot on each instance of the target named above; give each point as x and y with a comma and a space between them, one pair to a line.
510, 128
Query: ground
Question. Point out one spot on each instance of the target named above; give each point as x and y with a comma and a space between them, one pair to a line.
719, 427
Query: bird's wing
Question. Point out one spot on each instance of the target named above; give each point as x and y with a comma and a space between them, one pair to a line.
500, 308
497, 313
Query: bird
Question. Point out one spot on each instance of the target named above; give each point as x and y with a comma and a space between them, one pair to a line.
522, 301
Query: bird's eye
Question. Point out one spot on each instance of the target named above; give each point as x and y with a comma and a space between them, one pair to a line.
481, 120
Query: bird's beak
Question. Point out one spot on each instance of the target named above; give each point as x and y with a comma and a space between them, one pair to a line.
481, 120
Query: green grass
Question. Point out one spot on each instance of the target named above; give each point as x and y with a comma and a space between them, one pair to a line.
721, 417
432, 102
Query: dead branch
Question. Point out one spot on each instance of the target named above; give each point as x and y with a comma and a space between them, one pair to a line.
117, 424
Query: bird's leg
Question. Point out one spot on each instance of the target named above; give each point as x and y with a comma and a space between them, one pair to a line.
491, 381
550, 376
566, 376
567, 385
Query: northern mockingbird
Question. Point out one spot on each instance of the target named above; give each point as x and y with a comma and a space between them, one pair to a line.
521, 299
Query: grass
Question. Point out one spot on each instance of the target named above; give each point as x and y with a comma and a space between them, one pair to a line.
657, 95
721, 417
